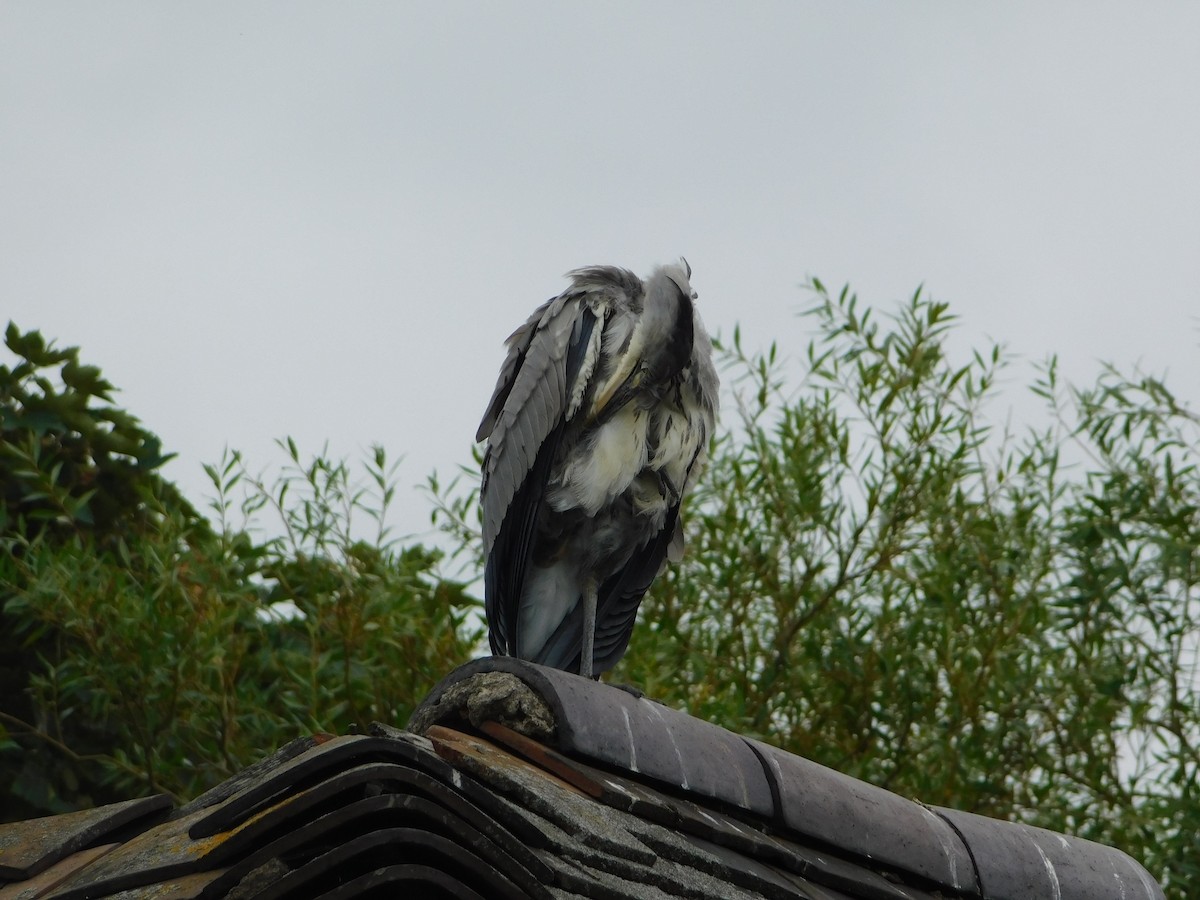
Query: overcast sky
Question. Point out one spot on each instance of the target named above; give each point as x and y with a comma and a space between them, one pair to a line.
322, 220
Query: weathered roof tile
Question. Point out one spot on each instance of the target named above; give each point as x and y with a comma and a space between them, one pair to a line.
615, 728
607, 796
29, 847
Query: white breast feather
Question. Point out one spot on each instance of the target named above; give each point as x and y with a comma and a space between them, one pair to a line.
676, 444
604, 467
679, 444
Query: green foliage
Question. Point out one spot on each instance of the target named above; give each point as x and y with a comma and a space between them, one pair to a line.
877, 581
153, 648
68, 458
377, 627
74, 470
165, 653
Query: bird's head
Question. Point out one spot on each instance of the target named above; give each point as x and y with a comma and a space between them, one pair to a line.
681, 273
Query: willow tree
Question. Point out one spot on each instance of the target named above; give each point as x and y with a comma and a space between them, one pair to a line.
1003, 621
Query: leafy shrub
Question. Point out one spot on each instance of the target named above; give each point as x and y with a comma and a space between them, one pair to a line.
159, 652
1001, 623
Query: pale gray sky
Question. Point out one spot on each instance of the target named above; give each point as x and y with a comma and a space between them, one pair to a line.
322, 220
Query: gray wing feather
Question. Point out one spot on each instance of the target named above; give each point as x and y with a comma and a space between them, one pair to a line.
518, 345
527, 404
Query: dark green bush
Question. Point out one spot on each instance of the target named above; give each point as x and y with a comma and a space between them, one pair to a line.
149, 650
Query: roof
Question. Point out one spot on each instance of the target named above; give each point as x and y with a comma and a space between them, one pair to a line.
514, 780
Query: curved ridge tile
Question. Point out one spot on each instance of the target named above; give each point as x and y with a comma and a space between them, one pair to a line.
868, 821
1020, 862
613, 727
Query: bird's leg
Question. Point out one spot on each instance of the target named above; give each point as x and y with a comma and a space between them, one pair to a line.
589, 626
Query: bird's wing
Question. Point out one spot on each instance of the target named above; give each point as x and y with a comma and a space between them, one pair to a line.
512, 549
546, 357
619, 597
518, 345
550, 363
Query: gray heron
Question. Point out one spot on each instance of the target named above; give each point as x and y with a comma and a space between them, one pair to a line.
598, 426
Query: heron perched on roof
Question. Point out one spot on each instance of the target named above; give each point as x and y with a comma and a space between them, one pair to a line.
597, 428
